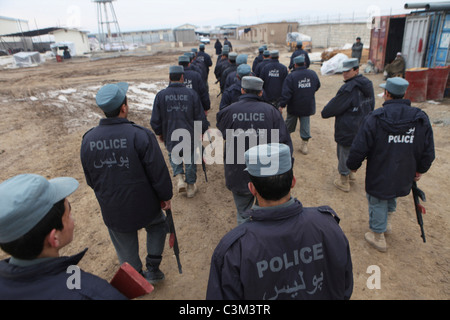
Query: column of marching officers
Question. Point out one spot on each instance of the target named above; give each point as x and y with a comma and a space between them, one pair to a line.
279, 249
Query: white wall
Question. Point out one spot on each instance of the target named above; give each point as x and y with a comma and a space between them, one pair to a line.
10, 25
336, 35
80, 39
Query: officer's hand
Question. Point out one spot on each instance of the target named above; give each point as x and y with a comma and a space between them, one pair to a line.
417, 177
166, 205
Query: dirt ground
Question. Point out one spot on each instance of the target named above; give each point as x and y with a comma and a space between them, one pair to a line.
47, 109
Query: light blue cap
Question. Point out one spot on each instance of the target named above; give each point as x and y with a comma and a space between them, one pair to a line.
194, 50
349, 64
184, 58
232, 56
266, 53
274, 53
111, 96
252, 83
243, 70
261, 49
241, 59
299, 59
268, 160
176, 69
201, 46
25, 199
299, 43
396, 86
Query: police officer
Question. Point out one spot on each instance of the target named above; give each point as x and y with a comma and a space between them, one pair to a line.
124, 165
273, 75
260, 66
250, 120
232, 66
35, 224
193, 80
179, 108
233, 92
204, 57
397, 141
354, 100
199, 65
258, 58
222, 62
284, 250
299, 52
298, 94
231, 77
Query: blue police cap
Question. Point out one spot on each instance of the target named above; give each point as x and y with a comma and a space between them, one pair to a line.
396, 86
26, 198
274, 53
299, 59
243, 70
176, 69
241, 59
268, 160
350, 64
184, 58
111, 96
252, 83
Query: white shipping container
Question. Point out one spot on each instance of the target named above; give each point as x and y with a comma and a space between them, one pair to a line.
415, 40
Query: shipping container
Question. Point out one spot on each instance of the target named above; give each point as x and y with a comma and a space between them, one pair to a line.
386, 39
415, 40
439, 40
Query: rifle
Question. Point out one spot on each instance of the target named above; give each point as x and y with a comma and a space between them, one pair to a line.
204, 164
203, 159
173, 242
420, 209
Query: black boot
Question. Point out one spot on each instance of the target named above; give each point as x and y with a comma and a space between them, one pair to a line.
153, 274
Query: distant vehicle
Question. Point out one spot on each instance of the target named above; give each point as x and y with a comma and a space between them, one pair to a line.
293, 37
204, 40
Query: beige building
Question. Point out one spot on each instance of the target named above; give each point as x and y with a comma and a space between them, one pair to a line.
11, 25
271, 32
78, 38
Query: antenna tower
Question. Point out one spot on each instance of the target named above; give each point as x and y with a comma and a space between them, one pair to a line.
107, 21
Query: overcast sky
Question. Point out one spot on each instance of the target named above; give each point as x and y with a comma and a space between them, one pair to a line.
150, 14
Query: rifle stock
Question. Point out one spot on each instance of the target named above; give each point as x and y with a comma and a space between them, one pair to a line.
173, 241
420, 209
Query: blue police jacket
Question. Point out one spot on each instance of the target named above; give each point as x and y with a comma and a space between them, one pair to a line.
231, 94
298, 92
205, 58
273, 75
397, 141
193, 80
297, 53
177, 107
48, 280
224, 75
200, 67
250, 119
124, 165
261, 66
256, 61
283, 252
354, 100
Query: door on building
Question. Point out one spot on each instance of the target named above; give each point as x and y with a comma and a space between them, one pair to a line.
444, 41
415, 40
